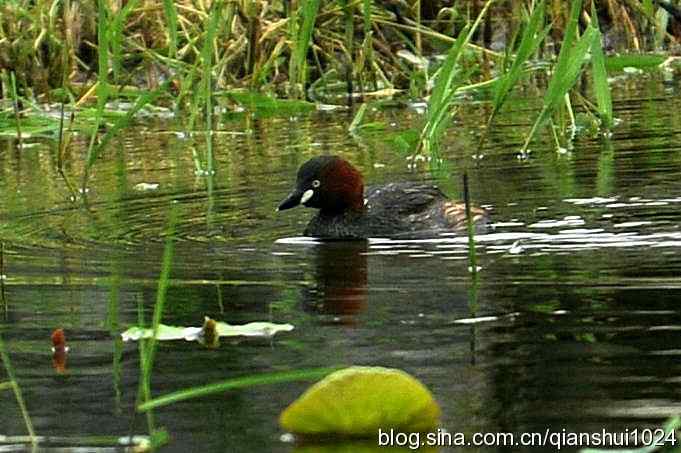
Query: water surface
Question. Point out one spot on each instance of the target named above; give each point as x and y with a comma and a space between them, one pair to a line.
578, 287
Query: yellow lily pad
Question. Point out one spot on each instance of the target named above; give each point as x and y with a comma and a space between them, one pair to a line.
357, 401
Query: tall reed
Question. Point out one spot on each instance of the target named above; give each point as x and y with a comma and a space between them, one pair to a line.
448, 79
148, 349
533, 35
573, 55
301, 42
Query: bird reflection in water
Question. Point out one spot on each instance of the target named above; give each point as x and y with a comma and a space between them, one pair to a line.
341, 280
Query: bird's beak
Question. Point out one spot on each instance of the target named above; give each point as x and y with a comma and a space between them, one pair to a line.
291, 201
295, 198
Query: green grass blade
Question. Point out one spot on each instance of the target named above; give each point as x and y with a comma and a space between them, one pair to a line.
161, 291
600, 75
533, 35
9, 370
566, 49
232, 384
145, 99
446, 82
202, 95
443, 90
359, 116
447, 72
171, 22
640, 61
308, 9
116, 36
102, 79
15, 107
563, 81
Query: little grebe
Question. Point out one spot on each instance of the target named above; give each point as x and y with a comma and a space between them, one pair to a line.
332, 185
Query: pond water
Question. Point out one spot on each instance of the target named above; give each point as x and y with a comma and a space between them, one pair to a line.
580, 277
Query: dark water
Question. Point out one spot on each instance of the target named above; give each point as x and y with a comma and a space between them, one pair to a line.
581, 276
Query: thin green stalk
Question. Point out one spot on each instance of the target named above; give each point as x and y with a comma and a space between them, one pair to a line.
237, 383
103, 89
161, 291
439, 36
293, 14
348, 10
472, 253
206, 62
209, 150
368, 44
417, 38
116, 38
470, 226
357, 120
17, 392
571, 114
148, 350
249, 10
62, 145
171, 20
15, 105
2, 278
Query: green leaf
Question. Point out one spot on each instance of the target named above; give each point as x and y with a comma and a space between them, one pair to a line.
357, 401
600, 75
308, 10
533, 35
263, 104
566, 54
232, 384
144, 99
563, 80
640, 61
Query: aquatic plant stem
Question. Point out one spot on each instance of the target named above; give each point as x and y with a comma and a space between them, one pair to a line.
61, 149
148, 350
236, 383
17, 391
472, 255
470, 226
15, 104
2, 278
102, 82
162, 290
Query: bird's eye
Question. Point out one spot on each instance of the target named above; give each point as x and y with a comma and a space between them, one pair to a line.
316, 183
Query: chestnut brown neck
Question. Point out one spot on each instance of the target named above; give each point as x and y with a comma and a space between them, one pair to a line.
344, 187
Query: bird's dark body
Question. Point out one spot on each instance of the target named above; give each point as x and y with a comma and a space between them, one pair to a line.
394, 210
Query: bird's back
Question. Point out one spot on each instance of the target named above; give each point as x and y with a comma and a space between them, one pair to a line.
397, 210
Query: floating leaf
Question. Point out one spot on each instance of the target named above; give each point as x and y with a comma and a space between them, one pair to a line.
357, 401
222, 329
264, 104
640, 61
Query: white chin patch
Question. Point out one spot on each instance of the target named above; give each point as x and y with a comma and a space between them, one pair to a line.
306, 196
